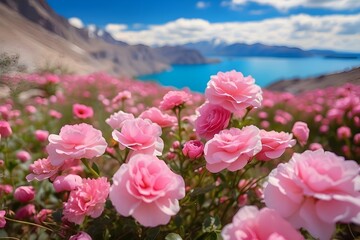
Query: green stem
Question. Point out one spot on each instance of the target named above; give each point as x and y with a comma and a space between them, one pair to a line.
28, 223
92, 171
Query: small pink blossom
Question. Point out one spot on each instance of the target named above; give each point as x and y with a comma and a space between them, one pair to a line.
80, 236
30, 109
140, 135
193, 149
116, 120
343, 132
357, 139
156, 116
5, 129
232, 148
315, 146
2, 219
121, 96
315, 190
24, 194
250, 223
211, 120
147, 189
234, 92
174, 99
41, 169
41, 135
25, 212
301, 132
55, 114
274, 144
88, 199
5, 188
67, 183
82, 111
23, 156
42, 215
75, 142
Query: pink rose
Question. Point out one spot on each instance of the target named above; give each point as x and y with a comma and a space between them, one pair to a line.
25, 212
250, 223
140, 135
41, 135
5, 188
5, 129
24, 194
148, 190
233, 91
274, 144
67, 183
23, 156
301, 132
41, 169
80, 236
88, 199
193, 149
174, 99
314, 190
156, 116
211, 120
2, 219
232, 148
42, 215
82, 111
117, 119
75, 142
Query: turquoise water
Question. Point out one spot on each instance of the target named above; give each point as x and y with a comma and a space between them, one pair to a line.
264, 70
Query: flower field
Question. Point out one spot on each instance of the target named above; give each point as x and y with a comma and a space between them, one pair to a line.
99, 157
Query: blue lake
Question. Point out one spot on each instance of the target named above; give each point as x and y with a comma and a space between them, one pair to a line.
265, 70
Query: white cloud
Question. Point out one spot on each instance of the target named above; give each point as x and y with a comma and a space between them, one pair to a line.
76, 22
284, 5
202, 4
113, 28
337, 32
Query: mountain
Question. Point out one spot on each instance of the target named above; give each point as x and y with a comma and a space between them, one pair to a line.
41, 36
216, 48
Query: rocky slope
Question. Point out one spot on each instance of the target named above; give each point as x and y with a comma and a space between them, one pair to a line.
323, 81
32, 29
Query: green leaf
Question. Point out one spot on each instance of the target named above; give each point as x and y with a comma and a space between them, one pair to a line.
211, 224
173, 236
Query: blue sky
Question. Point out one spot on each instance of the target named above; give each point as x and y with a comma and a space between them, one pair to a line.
324, 24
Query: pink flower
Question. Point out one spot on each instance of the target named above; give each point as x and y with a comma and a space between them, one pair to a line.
55, 114
121, 96
211, 120
5, 188
140, 135
25, 212
5, 129
41, 169
274, 144
88, 199
193, 149
24, 194
314, 190
41, 135
232, 148
315, 146
156, 116
80, 236
250, 223
75, 142
67, 183
147, 189
343, 132
174, 99
233, 91
2, 219
23, 156
116, 120
357, 138
301, 132
42, 215
82, 111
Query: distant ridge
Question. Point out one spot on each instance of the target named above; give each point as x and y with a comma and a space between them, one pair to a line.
35, 31
218, 48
